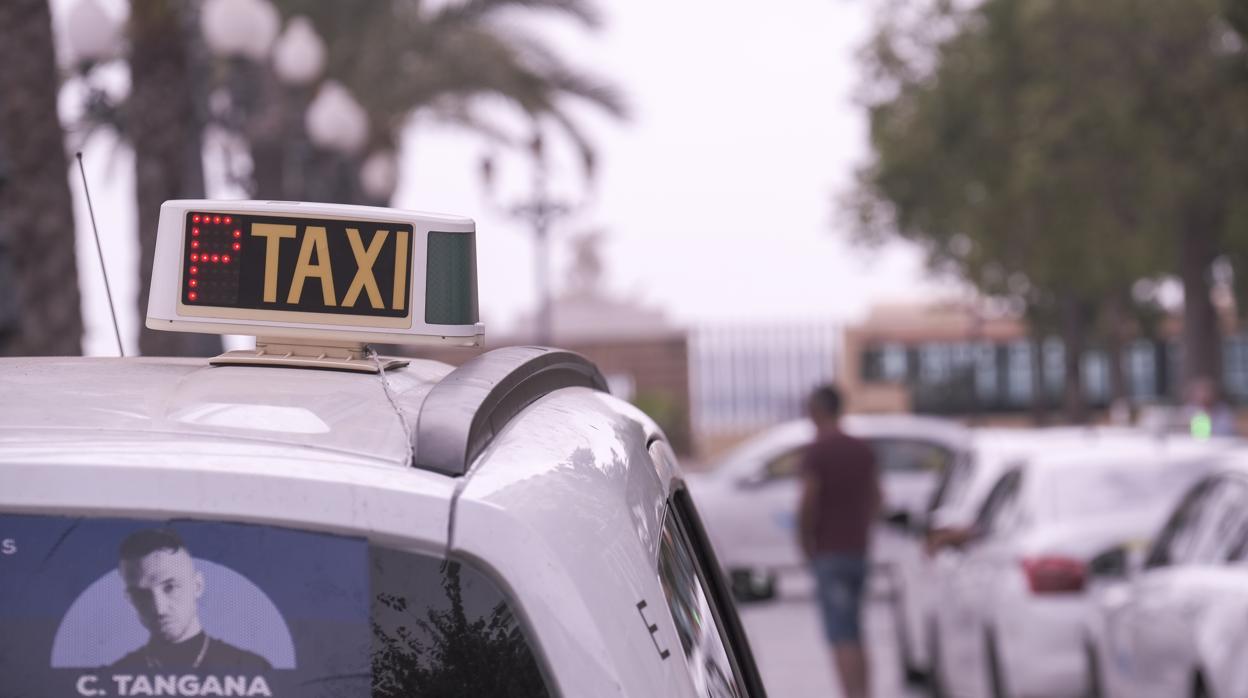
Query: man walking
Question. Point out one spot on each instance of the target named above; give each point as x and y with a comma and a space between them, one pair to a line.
840, 499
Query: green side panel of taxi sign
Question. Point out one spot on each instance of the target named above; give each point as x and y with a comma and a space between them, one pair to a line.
451, 279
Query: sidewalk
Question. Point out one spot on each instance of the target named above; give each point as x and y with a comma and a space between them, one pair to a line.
793, 657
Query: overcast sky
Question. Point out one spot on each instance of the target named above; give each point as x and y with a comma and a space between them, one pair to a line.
718, 196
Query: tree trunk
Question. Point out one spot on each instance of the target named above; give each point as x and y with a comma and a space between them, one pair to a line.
271, 127
1074, 342
165, 132
1115, 345
35, 201
1039, 389
268, 164
333, 178
1201, 336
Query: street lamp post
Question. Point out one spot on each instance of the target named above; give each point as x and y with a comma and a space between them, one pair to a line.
540, 211
240, 28
94, 40
272, 73
299, 59
94, 36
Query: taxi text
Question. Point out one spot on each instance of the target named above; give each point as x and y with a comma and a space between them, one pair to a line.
316, 244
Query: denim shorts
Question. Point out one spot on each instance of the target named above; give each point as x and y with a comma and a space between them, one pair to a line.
839, 581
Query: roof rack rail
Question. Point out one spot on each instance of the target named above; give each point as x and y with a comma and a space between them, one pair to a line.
466, 409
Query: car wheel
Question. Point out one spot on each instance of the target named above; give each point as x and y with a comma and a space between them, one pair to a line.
905, 649
996, 676
750, 585
1095, 684
1198, 687
936, 686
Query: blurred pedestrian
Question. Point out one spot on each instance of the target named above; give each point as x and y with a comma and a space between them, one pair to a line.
1207, 413
840, 499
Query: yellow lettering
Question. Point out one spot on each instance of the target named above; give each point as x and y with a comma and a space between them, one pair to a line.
364, 260
313, 239
273, 235
400, 269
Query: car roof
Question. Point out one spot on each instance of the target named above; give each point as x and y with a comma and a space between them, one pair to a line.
1234, 461
85, 402
994, 450
103, 422
1108, 448
922, 427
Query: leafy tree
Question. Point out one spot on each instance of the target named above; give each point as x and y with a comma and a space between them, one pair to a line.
401, 58
35, 201
1236, 12
397, 56
1057, 152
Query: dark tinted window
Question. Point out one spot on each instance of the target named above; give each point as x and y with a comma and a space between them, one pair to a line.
697, 621
952, 482
891, 456
1000, 509
444, 629
784, 465
909, 456
1226, 516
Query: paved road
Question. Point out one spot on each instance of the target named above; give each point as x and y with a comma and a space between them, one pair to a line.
788, 643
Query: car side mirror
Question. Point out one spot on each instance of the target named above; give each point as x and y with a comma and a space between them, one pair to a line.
749, 587
1120, 562
899, 518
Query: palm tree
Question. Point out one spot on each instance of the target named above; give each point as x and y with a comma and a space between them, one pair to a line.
399, 59
35, 200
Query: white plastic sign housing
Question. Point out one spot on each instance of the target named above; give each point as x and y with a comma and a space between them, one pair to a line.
312, 271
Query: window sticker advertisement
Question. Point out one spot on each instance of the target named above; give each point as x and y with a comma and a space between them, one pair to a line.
116, 607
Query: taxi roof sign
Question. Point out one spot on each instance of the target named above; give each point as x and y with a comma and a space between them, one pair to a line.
315, 272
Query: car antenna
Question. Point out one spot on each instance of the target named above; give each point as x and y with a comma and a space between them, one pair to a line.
100, 251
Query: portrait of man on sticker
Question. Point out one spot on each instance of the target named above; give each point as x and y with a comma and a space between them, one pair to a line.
164, 586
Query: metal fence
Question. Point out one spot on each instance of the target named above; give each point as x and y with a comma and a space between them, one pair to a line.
745, 377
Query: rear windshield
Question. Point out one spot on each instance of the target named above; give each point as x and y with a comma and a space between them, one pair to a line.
1095, 491
120, 607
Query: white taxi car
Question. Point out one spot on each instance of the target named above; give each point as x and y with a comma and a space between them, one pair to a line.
311, 519
749, 502
921, 568
1014, 598
1175, 625
749, 499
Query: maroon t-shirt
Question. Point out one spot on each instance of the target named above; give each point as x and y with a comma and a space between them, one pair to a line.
844, 469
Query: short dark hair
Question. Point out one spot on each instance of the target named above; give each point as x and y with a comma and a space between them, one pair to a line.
149, 540
826, 399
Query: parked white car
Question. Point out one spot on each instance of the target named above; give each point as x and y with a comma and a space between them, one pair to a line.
310, 519
1013, 596
749, 502
1171, 620
954, 505
749, 499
